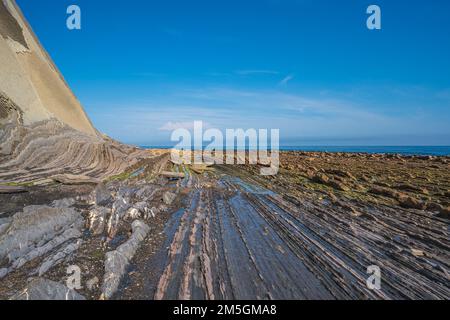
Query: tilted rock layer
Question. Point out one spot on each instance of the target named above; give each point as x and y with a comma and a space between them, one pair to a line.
29, 77
44, 131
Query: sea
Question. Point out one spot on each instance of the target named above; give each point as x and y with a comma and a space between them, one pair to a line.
404, 150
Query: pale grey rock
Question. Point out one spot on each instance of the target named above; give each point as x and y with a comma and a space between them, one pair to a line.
92, 283
139, 210
101, 196
117, 261
133, 213
63, 203
4, 224
115, 266
169, 198
141, 206
126, 192
145, 192
46, 248
97, 220
119, 210
40, 289
3, 272
36, 231
152, 213
59, 257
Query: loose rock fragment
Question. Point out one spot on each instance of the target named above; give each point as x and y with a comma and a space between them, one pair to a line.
119, 210
97, 220
92, 283
169, 197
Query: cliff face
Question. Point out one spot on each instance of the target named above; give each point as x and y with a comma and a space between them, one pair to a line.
44, 130
29, 78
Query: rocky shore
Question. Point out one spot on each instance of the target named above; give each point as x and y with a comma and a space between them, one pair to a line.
163, 231
83, 216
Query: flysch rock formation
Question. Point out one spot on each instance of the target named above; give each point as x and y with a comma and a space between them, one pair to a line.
137, 226
51, 158
30, 79
44, 130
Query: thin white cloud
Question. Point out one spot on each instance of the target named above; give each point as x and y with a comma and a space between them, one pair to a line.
316, 114
171, 126
286, 80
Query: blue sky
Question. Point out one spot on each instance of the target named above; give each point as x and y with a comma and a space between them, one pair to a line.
308, 67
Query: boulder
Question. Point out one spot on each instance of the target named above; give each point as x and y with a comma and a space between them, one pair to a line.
411, 203
92, 283
321, 178
169, 197
42, 289
97, 220
118, 260
119, 211
138, 210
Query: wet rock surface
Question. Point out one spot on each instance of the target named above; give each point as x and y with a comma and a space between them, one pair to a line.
310, 232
